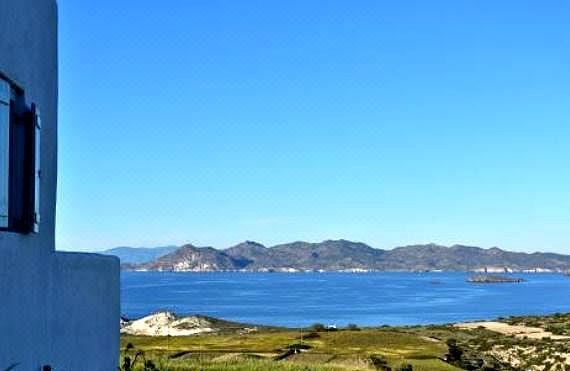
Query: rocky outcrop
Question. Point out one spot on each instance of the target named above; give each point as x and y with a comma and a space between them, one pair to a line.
484, 278
169, 324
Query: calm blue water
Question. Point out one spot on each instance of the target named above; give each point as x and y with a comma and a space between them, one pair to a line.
339, 298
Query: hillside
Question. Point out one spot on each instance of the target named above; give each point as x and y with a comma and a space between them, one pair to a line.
343, 255
138, 255
463, 258
327, 255
169, 324
204, 343
192, 258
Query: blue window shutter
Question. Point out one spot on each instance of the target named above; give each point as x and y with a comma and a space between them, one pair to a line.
4, 151
37, 171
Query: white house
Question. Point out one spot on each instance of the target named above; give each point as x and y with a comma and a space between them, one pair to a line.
58, 311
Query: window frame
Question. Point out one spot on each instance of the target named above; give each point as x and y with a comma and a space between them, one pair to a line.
23, 173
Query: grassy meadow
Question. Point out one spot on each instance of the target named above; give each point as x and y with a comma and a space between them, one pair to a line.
418, 348
366, 349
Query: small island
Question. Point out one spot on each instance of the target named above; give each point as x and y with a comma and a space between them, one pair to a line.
484, 278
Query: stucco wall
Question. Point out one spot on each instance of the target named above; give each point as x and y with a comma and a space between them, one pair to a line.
57, 309
60, 310
28, 55
83, 313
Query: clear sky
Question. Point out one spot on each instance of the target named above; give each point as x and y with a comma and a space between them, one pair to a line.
388, 122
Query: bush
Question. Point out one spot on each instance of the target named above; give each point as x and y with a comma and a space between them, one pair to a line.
318, 327
352, 327
454, 352
130, 363
310, 335
556, 330
297, 347
379, 362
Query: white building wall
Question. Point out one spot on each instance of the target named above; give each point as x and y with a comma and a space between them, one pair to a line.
57, 309
83, 313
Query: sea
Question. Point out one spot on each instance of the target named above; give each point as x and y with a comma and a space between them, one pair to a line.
364, 299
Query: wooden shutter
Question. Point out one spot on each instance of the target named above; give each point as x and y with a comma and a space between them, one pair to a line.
4, 151
22, 166
37, 168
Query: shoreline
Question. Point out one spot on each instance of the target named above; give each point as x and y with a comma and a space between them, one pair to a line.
563, 273
466, 324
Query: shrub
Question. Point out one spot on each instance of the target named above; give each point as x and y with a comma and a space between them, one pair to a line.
318, 327
454, 352
130, 362
352, 327
379, 362
311, 335
556, 330
297, 347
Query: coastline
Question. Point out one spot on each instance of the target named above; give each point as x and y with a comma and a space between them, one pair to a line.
203, 323
356, 271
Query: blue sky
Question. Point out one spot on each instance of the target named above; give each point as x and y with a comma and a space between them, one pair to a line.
391, 123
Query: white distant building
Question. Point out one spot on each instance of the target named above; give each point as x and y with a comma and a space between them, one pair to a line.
58, 310
495, 269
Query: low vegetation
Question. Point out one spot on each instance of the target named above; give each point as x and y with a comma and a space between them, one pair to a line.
317, 349
417, 348
558, 323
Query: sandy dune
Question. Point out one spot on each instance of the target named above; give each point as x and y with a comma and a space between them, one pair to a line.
518, 331
167, 324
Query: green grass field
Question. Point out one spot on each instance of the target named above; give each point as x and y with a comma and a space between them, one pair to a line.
386, 348
326, 351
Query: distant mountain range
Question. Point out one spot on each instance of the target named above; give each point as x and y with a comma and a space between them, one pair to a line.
139, 255
341, 255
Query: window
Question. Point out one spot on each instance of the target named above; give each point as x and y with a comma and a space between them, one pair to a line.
19, 161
